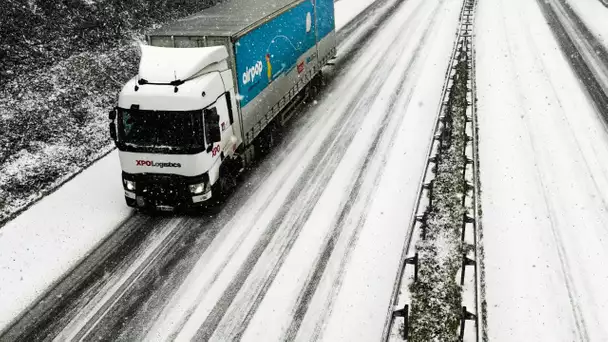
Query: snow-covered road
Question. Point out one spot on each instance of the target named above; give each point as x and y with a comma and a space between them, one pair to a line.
593, 15
309, 247
543, 152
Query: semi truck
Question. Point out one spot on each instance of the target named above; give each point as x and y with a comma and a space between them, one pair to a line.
210, 89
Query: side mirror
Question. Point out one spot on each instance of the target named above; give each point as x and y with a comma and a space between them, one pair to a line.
113, 131
112, 114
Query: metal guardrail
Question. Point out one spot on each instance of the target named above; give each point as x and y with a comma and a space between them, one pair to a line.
463, 51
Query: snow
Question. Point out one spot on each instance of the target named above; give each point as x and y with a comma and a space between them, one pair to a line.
543, 173
594, 14
347, 10
42, 244
378, 115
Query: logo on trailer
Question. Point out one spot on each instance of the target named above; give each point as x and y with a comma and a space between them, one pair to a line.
269, 67
252, 72
152, 163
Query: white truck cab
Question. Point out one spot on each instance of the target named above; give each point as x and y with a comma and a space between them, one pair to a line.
175, 126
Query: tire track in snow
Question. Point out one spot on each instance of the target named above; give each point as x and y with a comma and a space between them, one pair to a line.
184, 319
217, 314
583, 58
579, 321
356, 195
566, 270
346, 35
580, 60
63, 302
98, 316
318, 174
365, 200
565, 118
349, 35
160, 299
315, 176
137, 298
360, 19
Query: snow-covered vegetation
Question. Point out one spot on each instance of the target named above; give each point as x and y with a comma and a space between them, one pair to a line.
437, 295
62, 64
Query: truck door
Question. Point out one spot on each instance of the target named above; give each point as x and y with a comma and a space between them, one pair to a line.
228, 144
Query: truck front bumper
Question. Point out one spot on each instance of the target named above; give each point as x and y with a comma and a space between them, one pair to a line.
166, 192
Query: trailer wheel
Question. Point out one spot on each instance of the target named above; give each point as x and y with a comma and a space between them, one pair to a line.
267, 139
317, 83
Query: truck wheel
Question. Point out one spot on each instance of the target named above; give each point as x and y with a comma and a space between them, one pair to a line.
227, 182
215, 204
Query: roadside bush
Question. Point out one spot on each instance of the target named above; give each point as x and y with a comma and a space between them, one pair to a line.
39, 33
58, 124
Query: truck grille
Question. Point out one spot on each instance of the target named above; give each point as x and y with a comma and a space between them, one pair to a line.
164, 189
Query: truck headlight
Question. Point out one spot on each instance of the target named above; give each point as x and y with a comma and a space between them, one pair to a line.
198, 189
130, 185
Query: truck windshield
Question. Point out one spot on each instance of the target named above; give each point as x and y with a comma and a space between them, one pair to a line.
161, 129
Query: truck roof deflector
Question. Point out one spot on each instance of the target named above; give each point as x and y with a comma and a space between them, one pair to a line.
175, 66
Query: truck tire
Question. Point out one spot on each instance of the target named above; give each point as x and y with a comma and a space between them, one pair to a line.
228, 179
316, 84
131, 202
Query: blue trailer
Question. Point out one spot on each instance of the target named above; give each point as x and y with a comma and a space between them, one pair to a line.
276, 48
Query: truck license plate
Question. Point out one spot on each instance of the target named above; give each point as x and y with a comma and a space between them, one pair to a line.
165, 208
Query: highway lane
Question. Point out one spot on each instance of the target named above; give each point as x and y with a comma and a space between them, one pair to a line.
543, 147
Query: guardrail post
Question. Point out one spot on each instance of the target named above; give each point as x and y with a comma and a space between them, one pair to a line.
413, 261
465, 220
435, 160
423, 219
466, 316
429, 186
403, 313
465, 262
